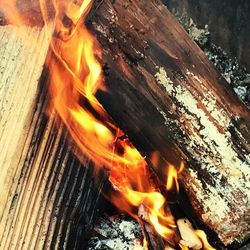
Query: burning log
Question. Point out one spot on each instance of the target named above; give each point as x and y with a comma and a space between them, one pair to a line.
41, 181
48, 199
154, 241
166, 95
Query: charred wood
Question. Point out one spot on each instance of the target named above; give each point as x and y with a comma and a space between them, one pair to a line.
168, 97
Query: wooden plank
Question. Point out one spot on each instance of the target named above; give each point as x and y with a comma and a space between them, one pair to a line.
19, 86
167, 96
49, 200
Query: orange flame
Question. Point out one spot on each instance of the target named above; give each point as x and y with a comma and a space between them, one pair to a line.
75, 76
145, 244
202, 236
154, 202
172, 177
183, 247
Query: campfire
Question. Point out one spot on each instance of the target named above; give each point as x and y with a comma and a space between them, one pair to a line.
128, 112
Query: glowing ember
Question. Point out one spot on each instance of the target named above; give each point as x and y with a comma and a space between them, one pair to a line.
76, 75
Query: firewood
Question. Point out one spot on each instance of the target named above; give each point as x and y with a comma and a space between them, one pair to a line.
153, 241
167, 96
48, 199
19, 87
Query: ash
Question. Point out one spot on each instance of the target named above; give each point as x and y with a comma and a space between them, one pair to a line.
116, 232
235, 75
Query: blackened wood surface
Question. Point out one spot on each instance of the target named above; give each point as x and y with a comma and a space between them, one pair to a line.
167, 96
57, 198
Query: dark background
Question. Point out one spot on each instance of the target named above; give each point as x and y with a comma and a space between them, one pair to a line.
228, 22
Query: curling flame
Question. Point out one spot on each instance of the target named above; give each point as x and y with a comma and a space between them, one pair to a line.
202, 236
172, 177
183, 247
75, 76
154, 202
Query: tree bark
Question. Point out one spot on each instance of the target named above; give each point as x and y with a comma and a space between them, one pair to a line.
168, 97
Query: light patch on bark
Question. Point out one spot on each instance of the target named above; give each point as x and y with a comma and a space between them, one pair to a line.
162, 78
212, 148
104, 31
211, 203
209, 136
101, 28
113, 16
210, 103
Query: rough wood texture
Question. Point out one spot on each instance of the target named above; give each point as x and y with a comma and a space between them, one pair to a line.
167, 96
18, 89
48, 198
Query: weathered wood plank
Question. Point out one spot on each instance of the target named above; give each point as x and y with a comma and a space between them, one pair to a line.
18, 90
48, 198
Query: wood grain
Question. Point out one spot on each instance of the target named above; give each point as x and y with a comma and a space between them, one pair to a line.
49, 200
22, 51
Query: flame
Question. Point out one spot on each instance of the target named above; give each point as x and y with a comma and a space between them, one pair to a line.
183, 247
154, 202
172, 177
202, 236
145, 244
75, 77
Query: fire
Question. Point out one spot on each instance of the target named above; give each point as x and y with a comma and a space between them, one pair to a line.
202, 236
173, 177
154, 202
145, 244
183, 247
75, 76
